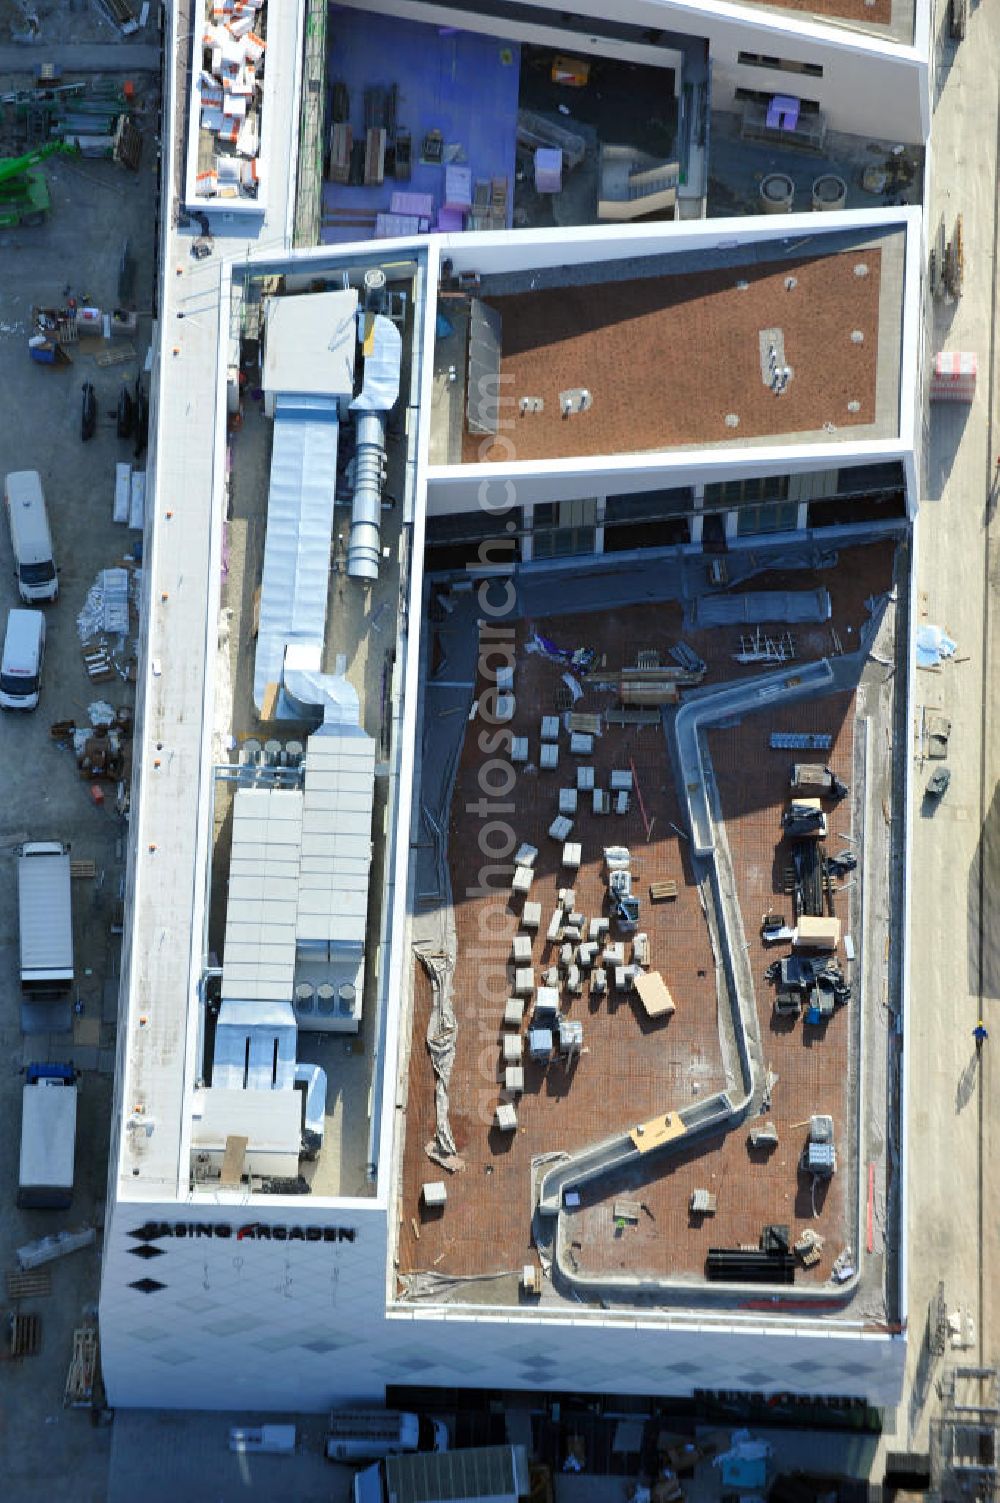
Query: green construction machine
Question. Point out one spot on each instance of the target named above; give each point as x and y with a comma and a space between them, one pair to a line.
24, 192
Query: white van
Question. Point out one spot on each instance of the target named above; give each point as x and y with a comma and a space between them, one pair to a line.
21, 667
30, 537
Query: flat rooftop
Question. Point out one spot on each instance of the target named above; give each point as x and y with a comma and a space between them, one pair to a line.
633, 1067
673, 357
166, 821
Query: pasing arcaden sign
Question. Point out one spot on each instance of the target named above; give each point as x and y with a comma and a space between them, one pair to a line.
252, 1231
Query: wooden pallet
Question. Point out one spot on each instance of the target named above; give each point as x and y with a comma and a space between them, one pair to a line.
620, 715
98, 665
626, 1210
128, 144
83, 868
83, 1365
660, 892
33, 1284
25, 1335
116, 354
341, 142
374, 156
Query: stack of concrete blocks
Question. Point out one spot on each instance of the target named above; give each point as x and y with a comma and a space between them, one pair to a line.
540, 1044
621, 790
572, 855
524, 863
547, 1003
512, 1049
513, 1013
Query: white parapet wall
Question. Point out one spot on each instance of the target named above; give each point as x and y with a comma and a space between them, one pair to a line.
281, 1304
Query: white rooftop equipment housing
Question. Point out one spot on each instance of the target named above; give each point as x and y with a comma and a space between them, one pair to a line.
309, 347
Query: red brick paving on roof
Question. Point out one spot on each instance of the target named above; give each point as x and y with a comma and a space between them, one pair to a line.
631, 1069
873, 12
667, 358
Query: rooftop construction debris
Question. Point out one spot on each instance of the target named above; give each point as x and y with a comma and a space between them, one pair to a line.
228, 95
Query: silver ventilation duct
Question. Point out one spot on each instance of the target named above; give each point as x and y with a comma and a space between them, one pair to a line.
371, 407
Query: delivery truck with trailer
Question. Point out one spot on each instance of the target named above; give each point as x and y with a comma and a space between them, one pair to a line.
48, 1138
482, 1474
45, 915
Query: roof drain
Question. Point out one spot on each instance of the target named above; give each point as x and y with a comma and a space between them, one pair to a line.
383, 348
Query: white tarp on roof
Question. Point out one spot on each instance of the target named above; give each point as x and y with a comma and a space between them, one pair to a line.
336, 839
383, 359
933, 646
299, 531
259, 954
273, 1122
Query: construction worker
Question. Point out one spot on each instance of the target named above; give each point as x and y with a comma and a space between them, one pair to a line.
979, 1034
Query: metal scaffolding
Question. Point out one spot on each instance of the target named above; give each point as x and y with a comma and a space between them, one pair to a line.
965, 1438
309, 187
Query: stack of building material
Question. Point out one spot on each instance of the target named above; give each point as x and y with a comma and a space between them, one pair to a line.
114, 584
230, 92
953, 378
457, 188
420, 205
393, 226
